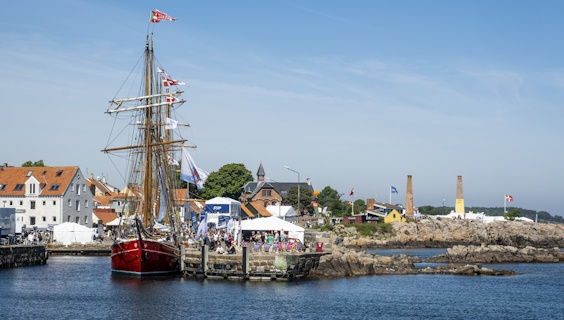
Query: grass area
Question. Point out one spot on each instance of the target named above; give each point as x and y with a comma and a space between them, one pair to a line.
324, 227
370, 229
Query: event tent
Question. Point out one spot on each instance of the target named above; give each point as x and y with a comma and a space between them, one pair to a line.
286, 213
226, 208
70, 232
273, 224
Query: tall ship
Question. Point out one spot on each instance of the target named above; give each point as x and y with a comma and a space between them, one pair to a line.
147, 240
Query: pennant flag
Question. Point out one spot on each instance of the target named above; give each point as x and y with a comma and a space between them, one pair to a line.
352, 191
170, 99
157, 16
508, 198
394, 190
171, 123
190, 173
167, 82
159, 70
172, 161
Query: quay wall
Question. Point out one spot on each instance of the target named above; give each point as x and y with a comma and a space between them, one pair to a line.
22, 255
246, 265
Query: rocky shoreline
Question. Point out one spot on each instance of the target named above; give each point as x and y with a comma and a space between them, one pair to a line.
447, 233
343, 262
498, 254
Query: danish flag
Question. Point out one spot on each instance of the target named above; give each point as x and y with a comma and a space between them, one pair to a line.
167, 82
508, 198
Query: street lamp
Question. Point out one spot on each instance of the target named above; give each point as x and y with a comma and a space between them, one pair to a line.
299, 213
279, 203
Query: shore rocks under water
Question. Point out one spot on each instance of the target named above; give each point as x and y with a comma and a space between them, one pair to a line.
349, 263
498, 254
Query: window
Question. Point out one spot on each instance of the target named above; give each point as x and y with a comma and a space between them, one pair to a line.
83, 187
54, 219
44, 218
2, 187
11, 202
59, 173
21, 203
32, 221
19, 186
44, 172
29, 173
77, 205
77, 220
54, 186
32, 205
394, 216
78, 189
85, 219
266, 193
72, 186
68, 218
32, 188
70, 203
44, 202
54, 202
86, 203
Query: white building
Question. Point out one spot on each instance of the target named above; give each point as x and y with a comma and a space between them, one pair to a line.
46, 196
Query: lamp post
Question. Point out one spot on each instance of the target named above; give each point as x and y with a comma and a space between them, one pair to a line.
280, 194
299, 213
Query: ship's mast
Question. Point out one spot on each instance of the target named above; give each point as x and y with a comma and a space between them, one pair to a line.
147, 190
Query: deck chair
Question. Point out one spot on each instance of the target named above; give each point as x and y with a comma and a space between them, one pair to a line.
257, 247
274, 248
267, 247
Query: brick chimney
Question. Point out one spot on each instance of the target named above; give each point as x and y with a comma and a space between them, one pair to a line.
409, 199
370, 204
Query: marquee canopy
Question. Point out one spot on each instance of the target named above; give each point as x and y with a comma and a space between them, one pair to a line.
273, 224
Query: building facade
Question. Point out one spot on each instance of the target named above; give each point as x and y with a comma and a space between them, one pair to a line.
46, 196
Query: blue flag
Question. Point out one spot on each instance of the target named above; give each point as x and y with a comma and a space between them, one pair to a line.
394, 190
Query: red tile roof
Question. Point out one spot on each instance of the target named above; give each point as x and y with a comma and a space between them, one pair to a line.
261, 210
47, 177
104, 215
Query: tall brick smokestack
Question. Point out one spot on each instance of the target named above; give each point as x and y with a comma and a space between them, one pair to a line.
409, 199
459, 206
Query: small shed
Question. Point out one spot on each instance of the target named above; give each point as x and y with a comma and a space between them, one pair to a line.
394, 216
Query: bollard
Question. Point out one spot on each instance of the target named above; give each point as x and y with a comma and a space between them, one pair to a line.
245, 261
205, 248
182, 257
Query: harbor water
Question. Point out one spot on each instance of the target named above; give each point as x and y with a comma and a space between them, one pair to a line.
72, 287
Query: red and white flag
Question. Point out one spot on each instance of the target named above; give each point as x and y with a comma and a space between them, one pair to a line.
352, 191
159, 70
167, 82
157, 16
508, 198
170, 99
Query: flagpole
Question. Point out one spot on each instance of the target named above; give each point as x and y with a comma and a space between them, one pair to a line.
505, 204
390, 194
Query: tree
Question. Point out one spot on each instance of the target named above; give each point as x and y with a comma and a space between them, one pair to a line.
38, 163
328, 196
227, 181
359, 206
512, 214
306, 197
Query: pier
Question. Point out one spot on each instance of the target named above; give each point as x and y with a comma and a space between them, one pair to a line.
246, 265
15, 256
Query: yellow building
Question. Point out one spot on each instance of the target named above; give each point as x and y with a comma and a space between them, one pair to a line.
394, 216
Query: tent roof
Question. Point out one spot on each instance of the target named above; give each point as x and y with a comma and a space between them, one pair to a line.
285, 211
269, 223
222, 200
70, 226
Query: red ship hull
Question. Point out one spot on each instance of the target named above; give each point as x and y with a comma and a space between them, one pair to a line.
144, 257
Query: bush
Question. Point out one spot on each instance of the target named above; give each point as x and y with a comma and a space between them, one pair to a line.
369, 229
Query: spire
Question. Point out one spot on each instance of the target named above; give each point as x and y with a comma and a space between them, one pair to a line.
260, 173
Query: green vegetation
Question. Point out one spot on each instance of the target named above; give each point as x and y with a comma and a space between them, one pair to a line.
306, 197
227, 181
38, 163
324, 227
370, 229
512, 214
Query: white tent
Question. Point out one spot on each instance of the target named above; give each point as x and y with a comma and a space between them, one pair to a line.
70, 232
286, 213
273, 224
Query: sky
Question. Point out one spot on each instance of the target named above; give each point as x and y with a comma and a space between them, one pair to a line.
349, 94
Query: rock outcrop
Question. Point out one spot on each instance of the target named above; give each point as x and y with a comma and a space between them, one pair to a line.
498, 254
349, 263
447, 233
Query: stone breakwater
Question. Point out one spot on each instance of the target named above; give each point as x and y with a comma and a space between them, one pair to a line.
344, 262
498, 254
447, 233
22, 255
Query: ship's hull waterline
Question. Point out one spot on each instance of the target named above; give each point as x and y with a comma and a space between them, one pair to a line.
144, 257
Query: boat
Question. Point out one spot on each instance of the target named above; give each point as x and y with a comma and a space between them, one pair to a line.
139, 247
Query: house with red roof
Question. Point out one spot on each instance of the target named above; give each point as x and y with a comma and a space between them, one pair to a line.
46, 196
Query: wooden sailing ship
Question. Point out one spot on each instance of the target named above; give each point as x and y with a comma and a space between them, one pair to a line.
141, 245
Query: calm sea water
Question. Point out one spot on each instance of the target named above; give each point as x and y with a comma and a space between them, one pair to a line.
83, 288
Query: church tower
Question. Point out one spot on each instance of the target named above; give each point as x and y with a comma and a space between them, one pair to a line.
260, 173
